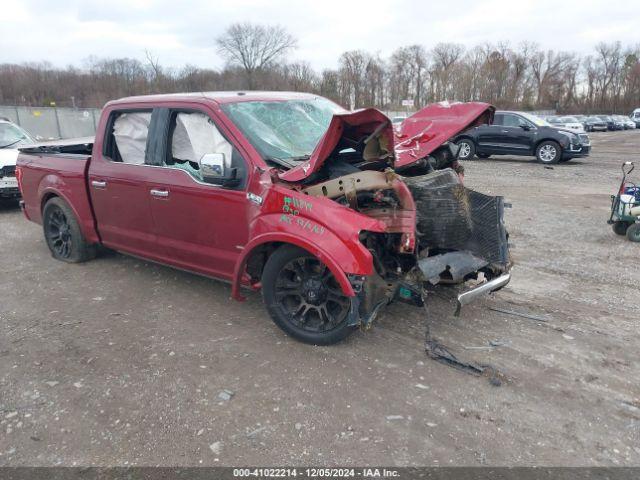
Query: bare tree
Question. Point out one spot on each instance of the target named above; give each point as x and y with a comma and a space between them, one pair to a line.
445, 56
153, 64
525, 77
254, 47
408, 67
353, 67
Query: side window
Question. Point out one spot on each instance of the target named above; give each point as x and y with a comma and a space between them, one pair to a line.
127, 139
511, 121
193, 135
498, 119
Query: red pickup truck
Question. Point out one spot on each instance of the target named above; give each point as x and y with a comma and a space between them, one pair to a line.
331, 213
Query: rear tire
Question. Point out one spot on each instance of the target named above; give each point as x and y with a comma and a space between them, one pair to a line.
467, 149
620, 228
304, 299
633, 233
549, 152
63, 235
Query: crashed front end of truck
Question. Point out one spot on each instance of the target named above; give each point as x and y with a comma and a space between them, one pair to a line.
433, 229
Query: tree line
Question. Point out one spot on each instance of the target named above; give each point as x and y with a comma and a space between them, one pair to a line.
522, 77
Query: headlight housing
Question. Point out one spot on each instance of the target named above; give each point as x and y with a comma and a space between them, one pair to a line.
573, 138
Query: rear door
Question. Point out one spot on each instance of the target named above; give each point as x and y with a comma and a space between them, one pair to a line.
491, 138
199, 226
117, 183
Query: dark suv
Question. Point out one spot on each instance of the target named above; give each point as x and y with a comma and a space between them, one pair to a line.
520, 133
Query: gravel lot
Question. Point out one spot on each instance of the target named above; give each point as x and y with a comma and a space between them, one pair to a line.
123, 362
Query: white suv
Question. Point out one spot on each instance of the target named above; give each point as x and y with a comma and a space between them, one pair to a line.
11, 137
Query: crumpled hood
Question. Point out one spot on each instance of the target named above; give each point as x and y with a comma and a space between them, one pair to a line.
418, 136
350, 124
427, 129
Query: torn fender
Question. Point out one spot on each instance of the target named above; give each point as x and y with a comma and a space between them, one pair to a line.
341, 255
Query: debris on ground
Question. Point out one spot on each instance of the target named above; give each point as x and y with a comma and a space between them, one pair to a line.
519, 314
216, 447
256, 432
392, 418
225, 395
438, 352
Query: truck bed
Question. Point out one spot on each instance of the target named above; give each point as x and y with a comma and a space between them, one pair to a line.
65, 173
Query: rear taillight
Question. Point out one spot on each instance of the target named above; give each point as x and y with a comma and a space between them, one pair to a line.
19, 178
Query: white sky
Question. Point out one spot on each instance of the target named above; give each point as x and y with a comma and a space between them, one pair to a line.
65, 32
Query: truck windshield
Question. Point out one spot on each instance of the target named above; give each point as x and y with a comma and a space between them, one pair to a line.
13, 136
283, 132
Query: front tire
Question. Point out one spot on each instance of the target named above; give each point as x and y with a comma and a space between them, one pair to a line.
467, 149
549, 152
304, 299
620, 228
633, 233
63, 235
483, 155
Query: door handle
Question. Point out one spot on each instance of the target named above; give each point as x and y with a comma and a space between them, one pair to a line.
99, 183
159, 193
505, 131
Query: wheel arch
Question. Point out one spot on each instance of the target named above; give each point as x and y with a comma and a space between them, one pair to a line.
264, 245
87, 226
48, 196
547, 139
466, 136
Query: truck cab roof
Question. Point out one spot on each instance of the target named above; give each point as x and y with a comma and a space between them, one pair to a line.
217, 97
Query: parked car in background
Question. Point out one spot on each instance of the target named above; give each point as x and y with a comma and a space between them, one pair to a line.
627, 123
554, 120
521, 133
595, 124
11, 137
635, 116
398, 120
582, 119
573, 124
612, 124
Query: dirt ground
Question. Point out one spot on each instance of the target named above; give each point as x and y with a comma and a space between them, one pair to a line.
122, 362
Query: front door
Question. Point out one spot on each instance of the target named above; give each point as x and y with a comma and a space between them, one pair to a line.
517, 134
199, 226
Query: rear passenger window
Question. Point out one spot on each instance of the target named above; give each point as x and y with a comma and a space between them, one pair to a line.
498, 119
127, 142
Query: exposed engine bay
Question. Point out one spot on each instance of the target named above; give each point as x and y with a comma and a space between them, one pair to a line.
437, 231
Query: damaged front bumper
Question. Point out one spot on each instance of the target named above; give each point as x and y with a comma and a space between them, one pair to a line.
460, 237
480, 290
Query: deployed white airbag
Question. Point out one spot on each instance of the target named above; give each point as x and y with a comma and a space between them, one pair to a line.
195, 135
130, 131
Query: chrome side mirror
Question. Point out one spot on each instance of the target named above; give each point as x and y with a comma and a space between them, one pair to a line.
214, 171
212, 168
